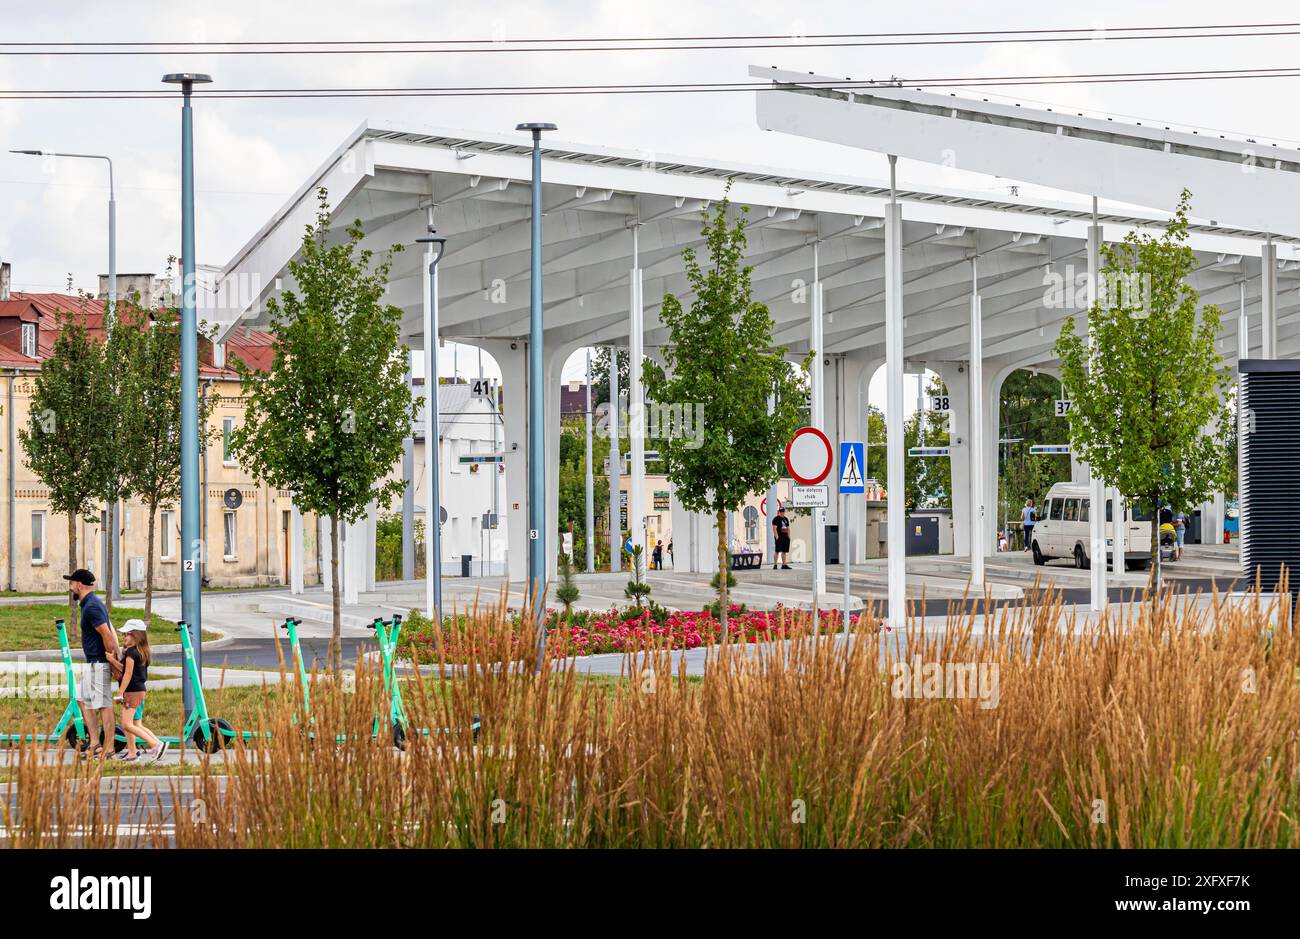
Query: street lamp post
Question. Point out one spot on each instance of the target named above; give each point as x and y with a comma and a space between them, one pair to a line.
433, 514
536, 405
193, 547
114, 581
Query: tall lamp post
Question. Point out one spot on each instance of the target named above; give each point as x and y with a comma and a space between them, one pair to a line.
114, 585
536, 405
432, 513
191, 539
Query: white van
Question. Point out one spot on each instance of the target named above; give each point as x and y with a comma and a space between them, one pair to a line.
1063, 529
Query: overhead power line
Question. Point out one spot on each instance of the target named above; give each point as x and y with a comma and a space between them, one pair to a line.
648, 43
653, 88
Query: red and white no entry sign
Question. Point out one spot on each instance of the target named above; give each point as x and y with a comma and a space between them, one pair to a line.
762, 506
808, 456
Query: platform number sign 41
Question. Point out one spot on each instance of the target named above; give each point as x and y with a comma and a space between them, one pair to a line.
481, 387
1063, 406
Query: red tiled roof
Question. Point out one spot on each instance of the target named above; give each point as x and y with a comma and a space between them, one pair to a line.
253, 346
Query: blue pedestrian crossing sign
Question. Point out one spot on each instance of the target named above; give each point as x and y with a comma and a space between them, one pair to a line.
852, 467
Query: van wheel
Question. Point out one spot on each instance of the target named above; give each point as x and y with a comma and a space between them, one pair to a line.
1080, 559
1039, 560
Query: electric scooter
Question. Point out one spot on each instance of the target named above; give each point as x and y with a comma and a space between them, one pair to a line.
387, 638
71, 728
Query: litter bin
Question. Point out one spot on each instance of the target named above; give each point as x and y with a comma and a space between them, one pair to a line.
465, 561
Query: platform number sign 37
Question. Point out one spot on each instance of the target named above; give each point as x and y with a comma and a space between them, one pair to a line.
1063, 406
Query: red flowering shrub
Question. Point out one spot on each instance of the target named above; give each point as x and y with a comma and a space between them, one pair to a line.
630, 630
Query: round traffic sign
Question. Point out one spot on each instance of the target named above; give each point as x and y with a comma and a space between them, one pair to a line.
808, 456
762, 506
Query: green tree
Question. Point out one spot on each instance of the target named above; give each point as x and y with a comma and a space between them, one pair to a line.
1027, 412
720, 356
150, 356
600, 375
63, 439
327, 421
1146, 380
573, 481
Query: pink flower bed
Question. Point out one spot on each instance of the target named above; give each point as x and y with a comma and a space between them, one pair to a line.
628, 630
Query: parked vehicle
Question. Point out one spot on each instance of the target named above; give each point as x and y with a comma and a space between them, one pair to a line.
1064, 528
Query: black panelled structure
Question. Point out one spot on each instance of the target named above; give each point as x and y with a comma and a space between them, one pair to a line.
1270, 470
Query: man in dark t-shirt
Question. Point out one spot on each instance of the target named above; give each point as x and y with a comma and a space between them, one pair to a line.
99, 645
781, 535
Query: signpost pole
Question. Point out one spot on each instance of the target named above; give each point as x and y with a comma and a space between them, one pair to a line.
846, 559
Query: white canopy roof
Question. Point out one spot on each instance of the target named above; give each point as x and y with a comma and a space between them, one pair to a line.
478, 188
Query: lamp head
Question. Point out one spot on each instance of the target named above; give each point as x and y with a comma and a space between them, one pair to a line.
187, 78
29, 152
536, 128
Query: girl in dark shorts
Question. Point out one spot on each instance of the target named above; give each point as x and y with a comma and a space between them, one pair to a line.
135, 675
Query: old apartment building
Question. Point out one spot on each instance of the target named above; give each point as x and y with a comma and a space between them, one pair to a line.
246, 536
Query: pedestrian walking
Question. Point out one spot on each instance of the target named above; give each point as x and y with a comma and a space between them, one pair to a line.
1028, 518
131, 691
99, 646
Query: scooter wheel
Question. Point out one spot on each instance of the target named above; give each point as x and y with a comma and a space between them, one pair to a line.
219, 735
399, 735
477, 728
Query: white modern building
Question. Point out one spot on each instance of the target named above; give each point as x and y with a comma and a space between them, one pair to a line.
471, 483
965, 279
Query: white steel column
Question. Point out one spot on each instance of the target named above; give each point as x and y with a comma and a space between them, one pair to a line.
897, 563
818, 419
1096, 488
975, 429
635, 402
770, 503
408, 491
1268, 300
295, 549
1118, 530
615, 467
430, 434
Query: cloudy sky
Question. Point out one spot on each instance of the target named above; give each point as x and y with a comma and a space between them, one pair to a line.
253, 154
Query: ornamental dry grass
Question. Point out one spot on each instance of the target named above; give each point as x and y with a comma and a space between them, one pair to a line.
1165, 727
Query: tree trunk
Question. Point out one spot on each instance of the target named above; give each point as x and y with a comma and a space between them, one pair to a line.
337, 630
72, 566
111, 522
1152, 581
148, 564
724, 571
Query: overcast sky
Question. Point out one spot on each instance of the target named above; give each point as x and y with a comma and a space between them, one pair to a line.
252, 154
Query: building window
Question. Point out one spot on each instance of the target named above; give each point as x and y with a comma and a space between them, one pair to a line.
29, 340
227, 427
38, 537
229, 542
751, 523
167, 544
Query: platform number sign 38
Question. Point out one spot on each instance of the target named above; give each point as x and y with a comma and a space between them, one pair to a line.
1063, 406
940, 403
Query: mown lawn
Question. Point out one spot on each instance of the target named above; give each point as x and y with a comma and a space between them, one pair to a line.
30, 626
163, 711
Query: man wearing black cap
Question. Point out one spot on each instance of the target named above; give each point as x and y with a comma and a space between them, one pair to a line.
781, 537
99, 643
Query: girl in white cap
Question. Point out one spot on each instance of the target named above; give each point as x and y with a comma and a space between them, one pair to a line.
135, 674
